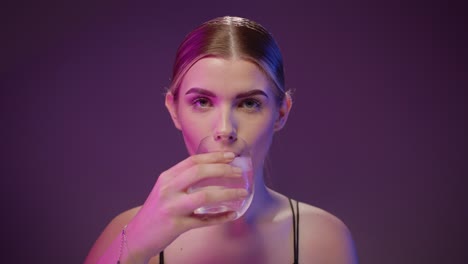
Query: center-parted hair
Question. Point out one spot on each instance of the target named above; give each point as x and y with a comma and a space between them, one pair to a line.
231, 37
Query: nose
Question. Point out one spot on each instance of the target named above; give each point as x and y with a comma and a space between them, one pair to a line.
227, 138
225, 128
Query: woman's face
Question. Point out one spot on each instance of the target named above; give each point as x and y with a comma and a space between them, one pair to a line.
229, 99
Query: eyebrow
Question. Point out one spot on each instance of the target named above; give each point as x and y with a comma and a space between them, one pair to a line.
211, 94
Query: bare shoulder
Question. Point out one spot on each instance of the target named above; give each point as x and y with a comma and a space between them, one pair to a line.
110, 232
323, 237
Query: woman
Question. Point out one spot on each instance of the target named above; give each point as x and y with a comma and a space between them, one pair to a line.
227, 83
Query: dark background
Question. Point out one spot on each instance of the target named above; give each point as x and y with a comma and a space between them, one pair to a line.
376, 136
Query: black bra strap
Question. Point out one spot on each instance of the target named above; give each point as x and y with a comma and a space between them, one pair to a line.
295, 230
297, 233
161, 257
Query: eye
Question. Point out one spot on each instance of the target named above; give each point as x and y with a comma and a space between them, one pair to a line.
250, 104
201, 102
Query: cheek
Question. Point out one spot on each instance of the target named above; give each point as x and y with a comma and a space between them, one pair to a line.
190, 143
192, 132
191, 137
261, 136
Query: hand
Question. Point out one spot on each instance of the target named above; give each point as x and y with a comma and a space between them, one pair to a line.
168, 210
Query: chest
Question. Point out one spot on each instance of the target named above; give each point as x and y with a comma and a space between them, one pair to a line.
269, 244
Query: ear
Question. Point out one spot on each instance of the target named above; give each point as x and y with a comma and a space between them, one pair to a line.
283, 114
171, 106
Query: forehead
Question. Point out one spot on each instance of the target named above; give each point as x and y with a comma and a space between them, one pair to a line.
225, 76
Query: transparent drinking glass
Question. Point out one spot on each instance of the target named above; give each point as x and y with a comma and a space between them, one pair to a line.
242, 160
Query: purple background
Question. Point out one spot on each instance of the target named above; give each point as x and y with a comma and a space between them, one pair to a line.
376, 135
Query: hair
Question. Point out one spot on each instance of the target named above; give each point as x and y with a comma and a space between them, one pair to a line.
231, 37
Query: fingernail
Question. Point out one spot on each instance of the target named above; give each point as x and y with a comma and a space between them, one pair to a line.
229, 155
237, 170
243, 193
232, 215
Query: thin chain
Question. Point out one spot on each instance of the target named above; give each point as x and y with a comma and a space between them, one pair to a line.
123, 242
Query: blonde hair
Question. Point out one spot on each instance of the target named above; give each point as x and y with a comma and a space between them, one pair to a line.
231, 37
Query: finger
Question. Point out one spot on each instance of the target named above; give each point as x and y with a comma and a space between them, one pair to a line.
208, 217
204, 172
196, 221
210, 196
213, 219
